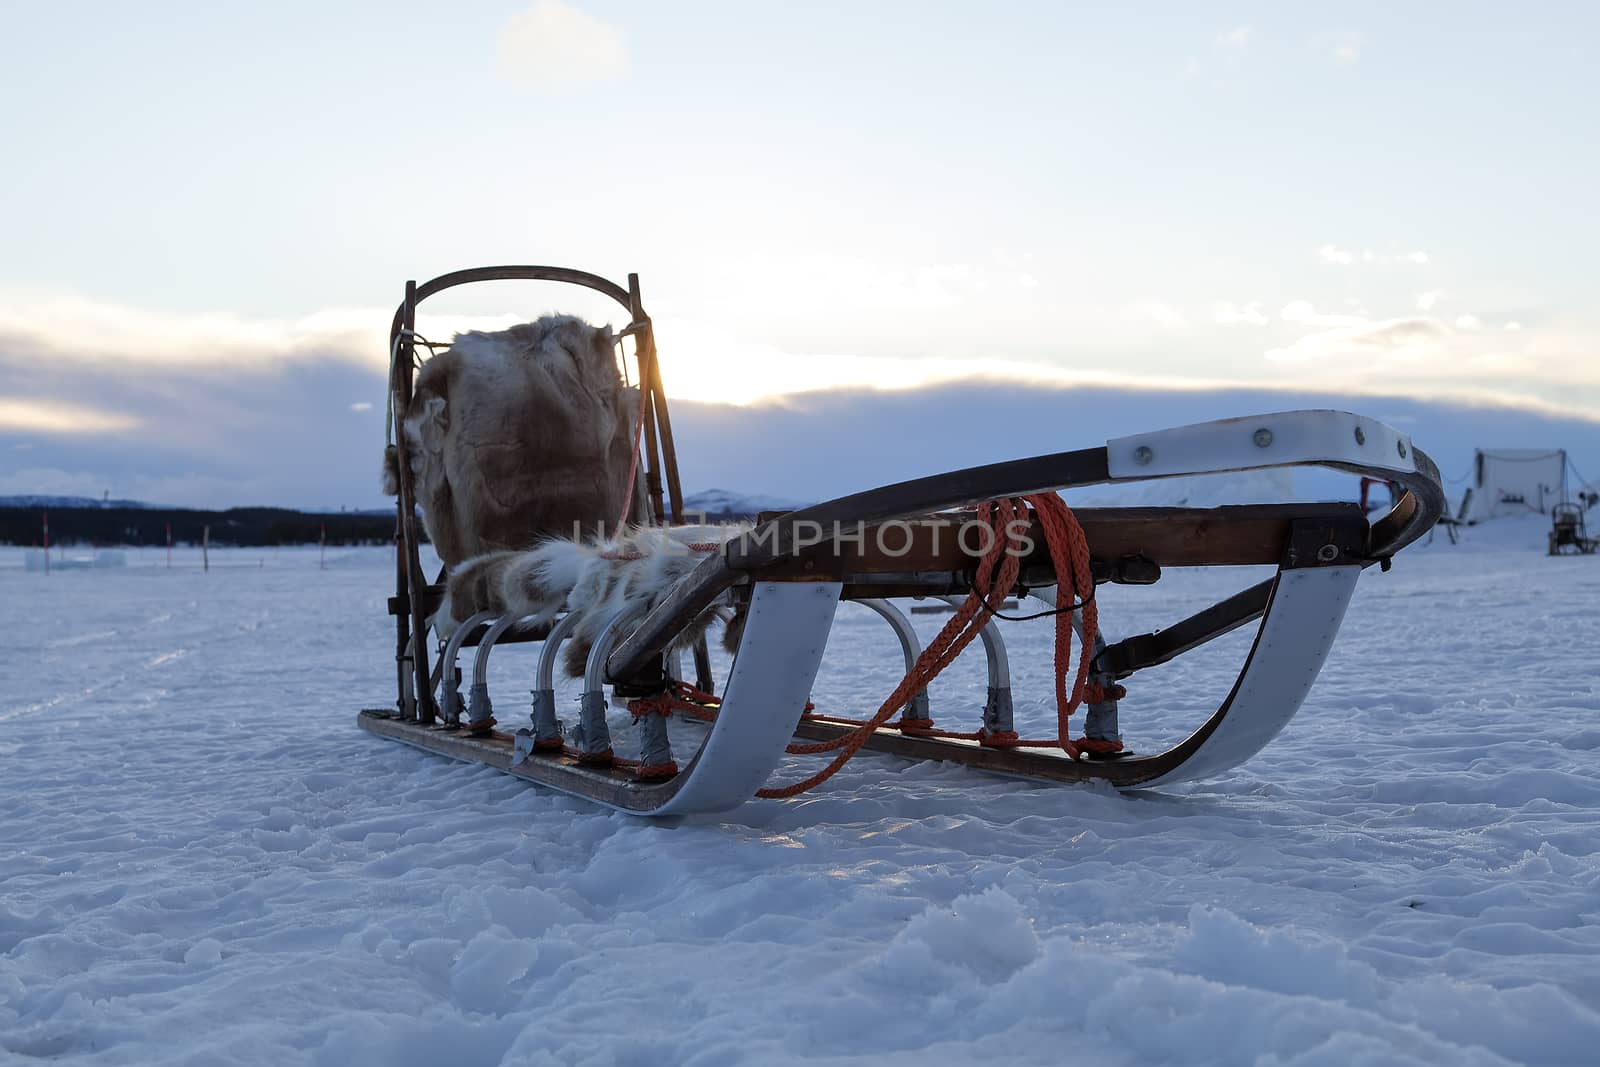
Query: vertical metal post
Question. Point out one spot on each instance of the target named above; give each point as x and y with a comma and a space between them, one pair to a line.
402, 625
415, 582
1100, 720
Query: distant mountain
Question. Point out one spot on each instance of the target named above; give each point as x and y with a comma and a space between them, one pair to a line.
729, 504
38, 501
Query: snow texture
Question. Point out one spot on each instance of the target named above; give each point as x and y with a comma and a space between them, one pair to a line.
203, 861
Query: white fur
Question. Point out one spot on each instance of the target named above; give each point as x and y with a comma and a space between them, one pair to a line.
593, 580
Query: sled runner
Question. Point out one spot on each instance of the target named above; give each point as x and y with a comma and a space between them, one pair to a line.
974, 536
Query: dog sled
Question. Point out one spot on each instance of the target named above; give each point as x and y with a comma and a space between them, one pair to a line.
974, 537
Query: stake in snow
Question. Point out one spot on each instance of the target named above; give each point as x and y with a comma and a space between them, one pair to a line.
519, 444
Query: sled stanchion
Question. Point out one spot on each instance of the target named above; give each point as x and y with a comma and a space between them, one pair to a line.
449, 682
1100, 716
592, 736
997, 705
917, 709
404, 353
547, 730
480, 709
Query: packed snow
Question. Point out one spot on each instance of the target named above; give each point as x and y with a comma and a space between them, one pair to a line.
203, 860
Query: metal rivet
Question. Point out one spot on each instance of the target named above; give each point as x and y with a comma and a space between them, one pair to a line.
1400, 446
1143, 455
1361, 436
1262, 437
1328, 553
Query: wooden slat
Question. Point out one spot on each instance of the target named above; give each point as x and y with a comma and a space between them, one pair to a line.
609, 785
1168, 537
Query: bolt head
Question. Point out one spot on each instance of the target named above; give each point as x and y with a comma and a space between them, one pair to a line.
1262, 437
1142, 455
1400, 446
1361, 436
1328, 553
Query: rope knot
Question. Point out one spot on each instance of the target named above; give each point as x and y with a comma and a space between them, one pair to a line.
1094, 693
662, 704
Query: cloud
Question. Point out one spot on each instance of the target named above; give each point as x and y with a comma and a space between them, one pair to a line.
1227, 314
79, 331
555, 47
1426, 301
1343, 46
1157, 312
1238, 37
1302, 313
361, 405
1345, 256
1357, 343
32, 415
66, 331
1424, 356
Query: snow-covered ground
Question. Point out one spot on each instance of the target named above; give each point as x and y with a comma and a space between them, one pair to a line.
203, 861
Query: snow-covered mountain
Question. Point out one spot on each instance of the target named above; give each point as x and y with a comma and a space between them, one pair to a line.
730, 504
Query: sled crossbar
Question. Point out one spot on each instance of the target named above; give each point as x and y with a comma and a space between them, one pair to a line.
1125, 544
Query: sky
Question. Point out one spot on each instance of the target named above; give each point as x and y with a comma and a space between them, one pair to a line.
208, 212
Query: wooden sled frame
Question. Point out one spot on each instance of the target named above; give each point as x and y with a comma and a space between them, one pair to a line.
794, 577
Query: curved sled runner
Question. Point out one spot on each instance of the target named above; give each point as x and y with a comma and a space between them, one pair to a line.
791, 571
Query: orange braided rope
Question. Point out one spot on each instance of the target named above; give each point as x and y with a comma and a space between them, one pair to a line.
1069, 553
1068, 545
989, 591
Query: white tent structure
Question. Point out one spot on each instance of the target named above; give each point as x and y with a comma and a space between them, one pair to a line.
1516, 481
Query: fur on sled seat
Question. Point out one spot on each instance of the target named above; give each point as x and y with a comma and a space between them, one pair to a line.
516, 435
593, 579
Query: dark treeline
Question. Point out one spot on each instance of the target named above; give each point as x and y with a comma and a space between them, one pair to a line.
236, 526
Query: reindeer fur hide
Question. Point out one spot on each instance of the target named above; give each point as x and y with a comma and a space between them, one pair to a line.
518, 435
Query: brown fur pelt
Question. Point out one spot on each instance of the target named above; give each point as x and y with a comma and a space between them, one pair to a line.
517, 435
594, 580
